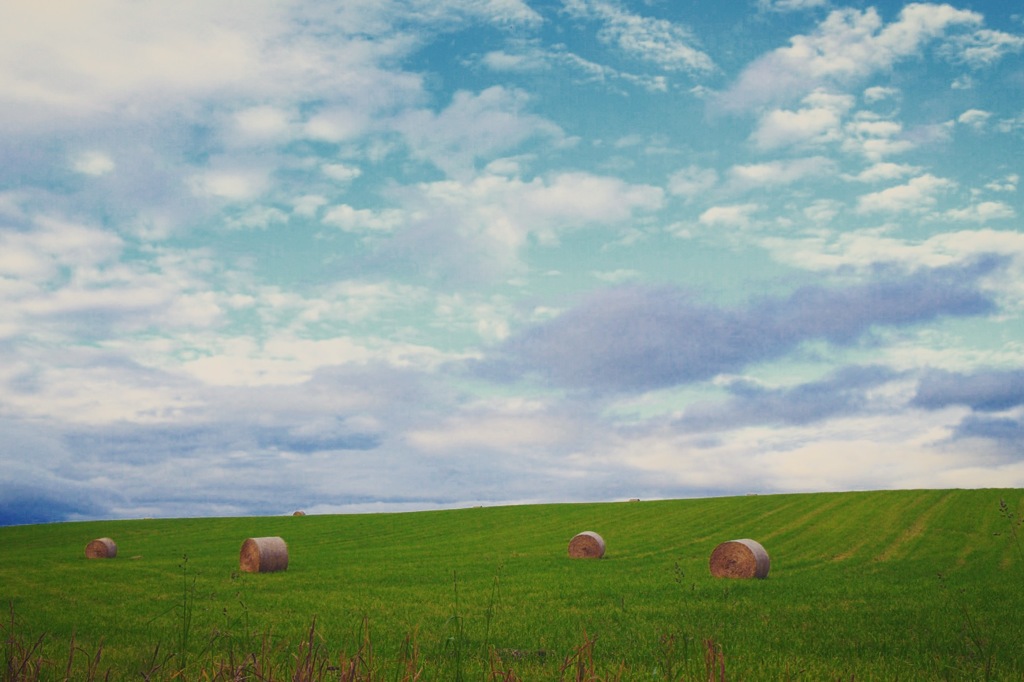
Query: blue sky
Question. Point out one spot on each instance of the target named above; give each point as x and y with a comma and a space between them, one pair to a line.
395, 255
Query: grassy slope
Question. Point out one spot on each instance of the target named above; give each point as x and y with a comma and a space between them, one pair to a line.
854, 588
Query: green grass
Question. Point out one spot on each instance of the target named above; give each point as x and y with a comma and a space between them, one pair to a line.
866, 586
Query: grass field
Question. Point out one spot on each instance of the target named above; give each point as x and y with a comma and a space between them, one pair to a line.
906, 585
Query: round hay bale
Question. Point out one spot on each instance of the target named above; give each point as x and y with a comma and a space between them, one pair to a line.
586, 545
298, 512
740, 559
101, 548
263, 555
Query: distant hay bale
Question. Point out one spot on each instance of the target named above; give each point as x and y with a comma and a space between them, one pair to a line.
586, 545
263, 555
740, 559
298, 512
101, 548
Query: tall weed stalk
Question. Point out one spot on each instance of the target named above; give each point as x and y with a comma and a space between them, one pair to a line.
188, 594
457, 639
979, 647
579, 666
22, 658
1014, 522
489, 617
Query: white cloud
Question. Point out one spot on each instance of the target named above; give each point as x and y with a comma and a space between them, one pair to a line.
880, 94
619, 276
983, 212
93, 163
339, 124
516, 13
88, 58
974, 118
874, 137
508, 209
931, 133
1007, 184
846, 47
352, 219
692, 181
917, 195
476, 230
69, 287
286, 360
55, 243
883, 171
113, 63
264, 123
257, 217
1013, 124
529, 59
527, 56
487, 319
819, 121
10, 206
736, 215
962, 82
19, 261
789, 5
490, 430
341, 172
69, 392
291, 346
584, 198
601, 73
866, 249
510, 166
780, 172
472, 127
984, 47
658, 41
307, 205
823, 211
882, 450
233, 184
123, 295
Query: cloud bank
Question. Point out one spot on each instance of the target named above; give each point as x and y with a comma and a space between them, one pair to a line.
377, 256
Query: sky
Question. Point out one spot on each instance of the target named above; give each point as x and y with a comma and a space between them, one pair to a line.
398, 255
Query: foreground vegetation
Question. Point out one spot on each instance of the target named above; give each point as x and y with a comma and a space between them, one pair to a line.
863, 586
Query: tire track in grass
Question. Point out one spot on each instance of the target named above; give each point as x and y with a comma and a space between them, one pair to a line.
804, 520
855, 540
836, 517
745, 515
916, 529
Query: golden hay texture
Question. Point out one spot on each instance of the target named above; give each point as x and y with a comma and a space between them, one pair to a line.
101, 548
298, 512
586, 545
740, 559
263, 555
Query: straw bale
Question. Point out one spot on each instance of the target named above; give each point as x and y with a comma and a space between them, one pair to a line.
740, 559
263, 555
586, 545
101, 548
298, 512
